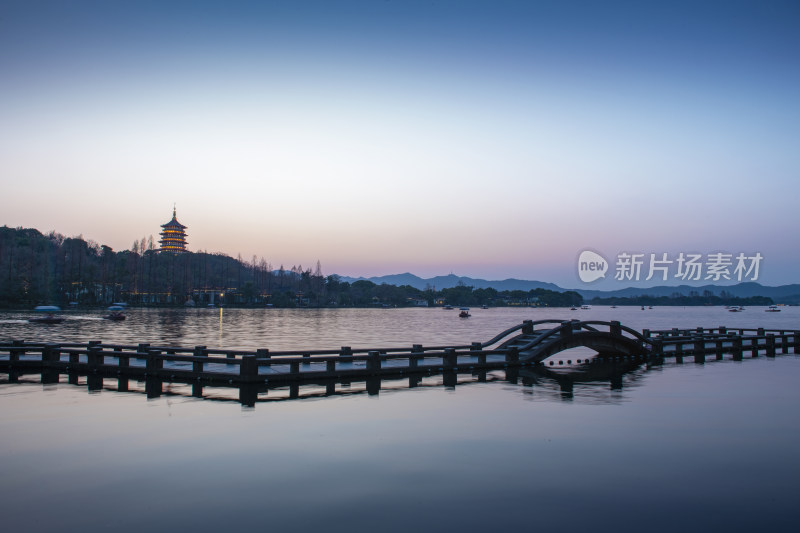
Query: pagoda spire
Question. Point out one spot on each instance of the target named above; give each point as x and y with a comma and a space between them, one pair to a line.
173, 234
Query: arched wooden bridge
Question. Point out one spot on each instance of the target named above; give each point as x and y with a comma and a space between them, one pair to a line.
606, 338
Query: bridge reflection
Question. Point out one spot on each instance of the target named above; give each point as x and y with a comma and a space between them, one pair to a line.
563, 382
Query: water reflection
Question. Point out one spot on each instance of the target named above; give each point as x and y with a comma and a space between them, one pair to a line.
298, 329
585, 382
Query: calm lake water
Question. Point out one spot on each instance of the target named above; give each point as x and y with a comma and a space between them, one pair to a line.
675, 447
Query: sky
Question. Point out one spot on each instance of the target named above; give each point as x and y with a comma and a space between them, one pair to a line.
491, 139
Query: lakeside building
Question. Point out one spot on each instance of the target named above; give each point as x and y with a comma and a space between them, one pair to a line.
173, 235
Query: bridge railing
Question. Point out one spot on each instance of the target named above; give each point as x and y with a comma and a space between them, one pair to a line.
721, 330
530, 325
186, 363
622, 327
569, 324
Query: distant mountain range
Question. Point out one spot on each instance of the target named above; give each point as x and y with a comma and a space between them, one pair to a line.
451, 280
780, 294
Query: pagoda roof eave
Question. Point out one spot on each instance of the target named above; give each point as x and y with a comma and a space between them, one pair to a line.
173, 224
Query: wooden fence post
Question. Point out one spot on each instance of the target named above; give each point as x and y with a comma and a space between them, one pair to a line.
374, 361
14, 353
413, 362
198, 365
449, 359
94, 356
51, 354
658, 345
736, 348
512, 355
699, 351
771, 345
248, 368
153, 362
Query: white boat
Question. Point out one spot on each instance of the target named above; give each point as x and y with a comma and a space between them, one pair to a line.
586, 307
772, 309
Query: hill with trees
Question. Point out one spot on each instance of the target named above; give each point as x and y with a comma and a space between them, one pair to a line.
37, 268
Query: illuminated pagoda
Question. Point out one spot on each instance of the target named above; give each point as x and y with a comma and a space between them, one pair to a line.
173, 236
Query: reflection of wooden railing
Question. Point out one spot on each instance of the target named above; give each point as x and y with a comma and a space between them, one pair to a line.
249, 394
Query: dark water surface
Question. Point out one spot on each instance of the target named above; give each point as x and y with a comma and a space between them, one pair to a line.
712, 447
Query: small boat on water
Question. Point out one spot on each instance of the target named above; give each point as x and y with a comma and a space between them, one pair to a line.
573, 308
736, 309
586, 307
49, 317
772, 309
464, 312
115, 312
448, 306
484, 306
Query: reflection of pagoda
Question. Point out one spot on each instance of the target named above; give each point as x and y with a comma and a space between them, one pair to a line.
173, 236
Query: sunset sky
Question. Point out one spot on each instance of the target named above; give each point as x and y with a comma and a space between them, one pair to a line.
491, 139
